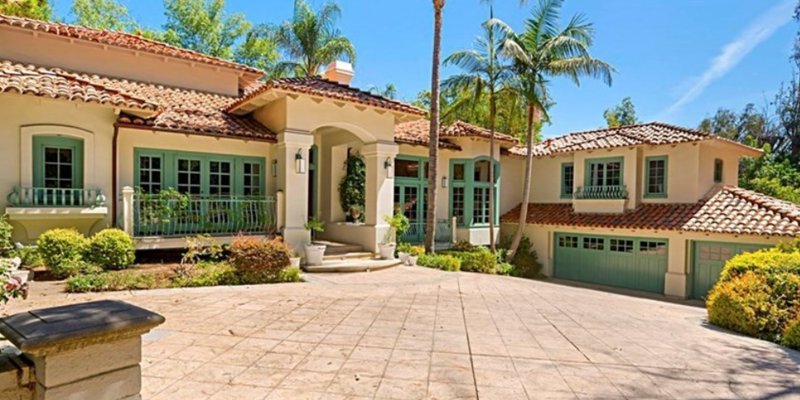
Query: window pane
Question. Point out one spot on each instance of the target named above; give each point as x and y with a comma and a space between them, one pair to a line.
406, 168
458, 172
613, 174
481, 173
458, 204
252, 179
597, 173
189, 176
219, 179
656, 172
593, 243
569, 179
50, 154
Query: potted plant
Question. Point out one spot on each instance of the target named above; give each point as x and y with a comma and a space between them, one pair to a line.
314, 251
413, 254
403, 251
398, 224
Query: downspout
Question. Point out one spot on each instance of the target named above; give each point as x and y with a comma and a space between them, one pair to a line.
114, 176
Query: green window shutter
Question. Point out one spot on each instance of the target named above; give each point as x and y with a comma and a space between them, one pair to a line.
567, 180
655, 182
57, 162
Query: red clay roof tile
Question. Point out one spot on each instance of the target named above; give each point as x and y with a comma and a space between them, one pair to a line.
418, 132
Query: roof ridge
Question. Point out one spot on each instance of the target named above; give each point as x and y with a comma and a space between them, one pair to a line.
57, 24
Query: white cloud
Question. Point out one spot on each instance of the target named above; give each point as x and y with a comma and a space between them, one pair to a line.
732, 53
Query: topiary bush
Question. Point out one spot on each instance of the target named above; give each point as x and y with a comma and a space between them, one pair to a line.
6, 245
259, 260
439, 261
61, 251
791, 335
111, 249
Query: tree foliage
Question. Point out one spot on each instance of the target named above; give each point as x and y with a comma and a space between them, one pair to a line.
311, 40
622, 114
203, 26
36, 9
103, 14
259, 49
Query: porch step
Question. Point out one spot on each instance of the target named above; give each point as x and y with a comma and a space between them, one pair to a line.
334, 249
353, 265
359, 255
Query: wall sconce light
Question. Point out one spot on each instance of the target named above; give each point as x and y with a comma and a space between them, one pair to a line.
299, 162
274, 168
444, 182
387, 165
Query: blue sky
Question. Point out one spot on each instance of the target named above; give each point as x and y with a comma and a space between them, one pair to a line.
679, 60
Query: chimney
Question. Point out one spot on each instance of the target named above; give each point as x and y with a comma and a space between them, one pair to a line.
339, 71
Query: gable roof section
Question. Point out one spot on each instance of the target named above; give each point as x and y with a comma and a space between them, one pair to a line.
56, 83
316, 86
123, 40
418, 133
653, 133
730, 210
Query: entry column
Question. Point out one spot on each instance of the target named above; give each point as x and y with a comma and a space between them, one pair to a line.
379, 159
292, 156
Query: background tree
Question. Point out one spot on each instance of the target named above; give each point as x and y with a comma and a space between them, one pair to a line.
389, 91
102, 14
311, 40
621, 114
259, 49
36, 9
203, 26
541, 51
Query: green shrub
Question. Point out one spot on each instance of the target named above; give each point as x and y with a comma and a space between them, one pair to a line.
6, 245
526, 261
479, 260
291, 274
440, 261
207, 274
112, 281
404, 247
87, 283
416, 251
755, 304
788, 247
463, 245
769, 261
504, 268
30, 256
259, 260
791, 335
61, 251
111, 249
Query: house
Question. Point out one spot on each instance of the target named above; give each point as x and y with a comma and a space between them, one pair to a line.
103, 129
650, 207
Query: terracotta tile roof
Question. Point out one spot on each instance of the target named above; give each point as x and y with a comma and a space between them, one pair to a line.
653, 133
324, 88
121, 39
55, 83
418, 132
730, 210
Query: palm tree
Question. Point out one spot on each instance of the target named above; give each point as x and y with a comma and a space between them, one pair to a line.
484, 74
389, 91
311, 40
541, 51
433, 151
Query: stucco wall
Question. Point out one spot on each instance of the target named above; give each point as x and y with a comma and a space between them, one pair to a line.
20, 111
50, 50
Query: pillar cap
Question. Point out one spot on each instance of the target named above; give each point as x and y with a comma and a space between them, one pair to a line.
52, 330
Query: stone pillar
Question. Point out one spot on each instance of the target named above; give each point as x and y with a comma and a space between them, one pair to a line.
676, 278
280, 209
127, 210
83, 351
294, 185
379, 186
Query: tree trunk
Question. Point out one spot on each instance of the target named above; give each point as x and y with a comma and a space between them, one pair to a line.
534, 115
492, 205
433, 157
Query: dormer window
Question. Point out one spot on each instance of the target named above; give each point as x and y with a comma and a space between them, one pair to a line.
717, 171
655, 184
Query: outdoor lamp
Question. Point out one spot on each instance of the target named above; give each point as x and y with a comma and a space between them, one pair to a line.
444, 182
388, 166
299, 162
274, 168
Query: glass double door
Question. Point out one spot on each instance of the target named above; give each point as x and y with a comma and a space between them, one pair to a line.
411, 199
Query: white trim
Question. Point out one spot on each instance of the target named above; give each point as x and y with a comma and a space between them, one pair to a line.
26, 150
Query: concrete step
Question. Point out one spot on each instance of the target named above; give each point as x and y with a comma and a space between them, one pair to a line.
353, 265
359, 255
334, 249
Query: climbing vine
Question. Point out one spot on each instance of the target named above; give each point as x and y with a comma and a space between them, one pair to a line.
352, 189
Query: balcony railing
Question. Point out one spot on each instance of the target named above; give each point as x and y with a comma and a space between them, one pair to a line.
416, 232
55, 197
602, 192
155, 215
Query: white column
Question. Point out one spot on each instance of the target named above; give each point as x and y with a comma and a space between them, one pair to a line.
127, 210
379, 185
294, 185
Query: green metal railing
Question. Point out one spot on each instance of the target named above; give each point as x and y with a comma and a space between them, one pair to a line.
55, 197
193, 215
416, 232
602, 192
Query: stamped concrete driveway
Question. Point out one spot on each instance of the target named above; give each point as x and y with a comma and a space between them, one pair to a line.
412, 333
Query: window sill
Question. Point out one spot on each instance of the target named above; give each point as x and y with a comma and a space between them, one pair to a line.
654, 196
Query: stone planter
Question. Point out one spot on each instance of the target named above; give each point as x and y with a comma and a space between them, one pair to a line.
403, 256
315, 254
412, 260
295, 261
386, 250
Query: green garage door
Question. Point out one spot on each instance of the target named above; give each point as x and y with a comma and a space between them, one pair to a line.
707, 262
627, 262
